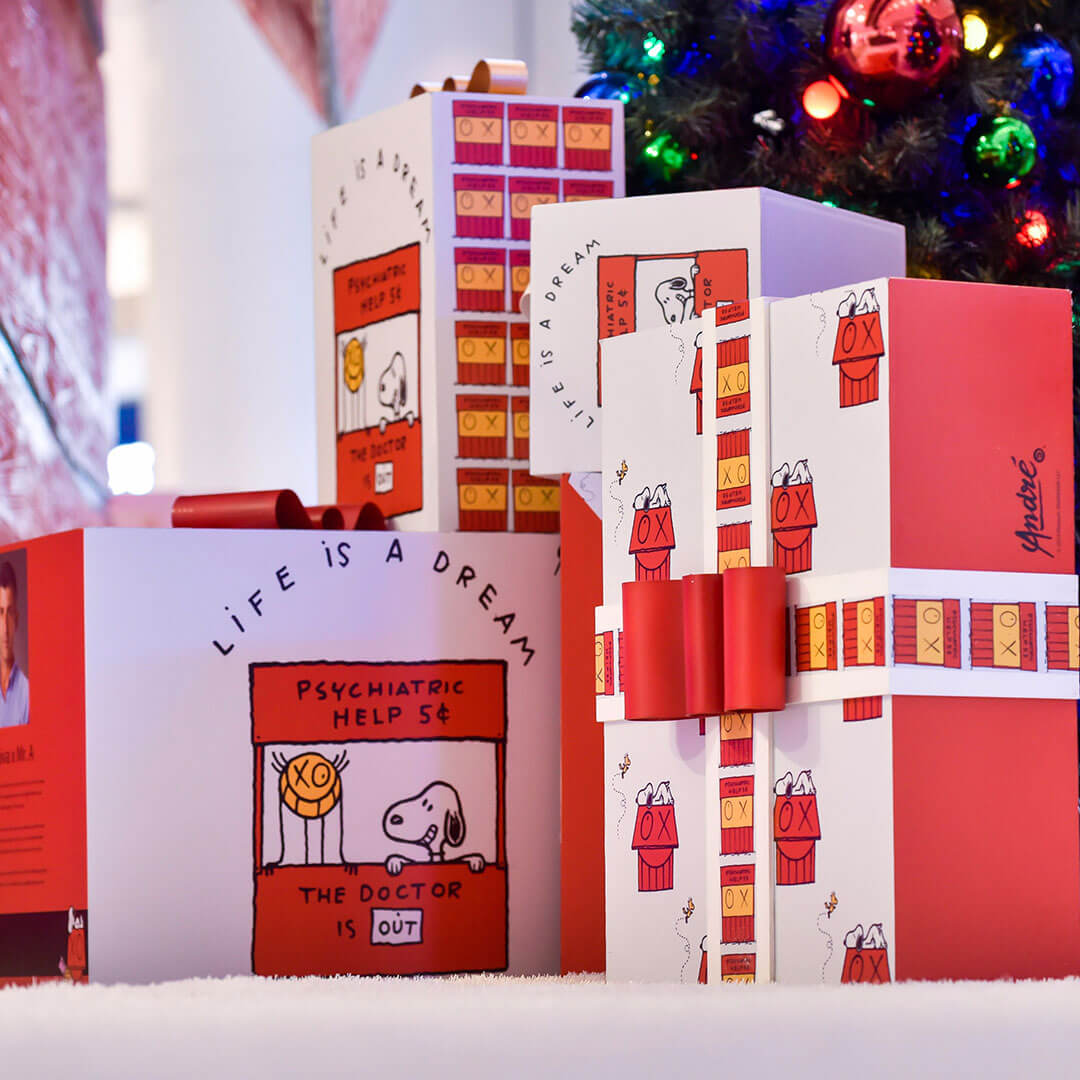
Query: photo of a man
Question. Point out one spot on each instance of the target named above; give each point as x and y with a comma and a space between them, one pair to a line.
14, 685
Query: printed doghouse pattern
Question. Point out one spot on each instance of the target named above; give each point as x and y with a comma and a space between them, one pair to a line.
491, 206
793, 517
364, 869
796, 828
737, 902
1003, 636
927, 632
652, 534
815, 638
655, 838
736, 815
1062, 637
736, 739
866, 955
860, 345
733, 469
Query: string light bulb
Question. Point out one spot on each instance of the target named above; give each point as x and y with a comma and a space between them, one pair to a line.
821, 99
976, 32
1034, 229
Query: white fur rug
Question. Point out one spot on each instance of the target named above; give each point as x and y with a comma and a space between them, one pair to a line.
479, 1027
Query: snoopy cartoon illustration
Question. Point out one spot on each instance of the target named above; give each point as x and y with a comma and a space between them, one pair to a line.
394, 390
434, 821
73, 963
674, 295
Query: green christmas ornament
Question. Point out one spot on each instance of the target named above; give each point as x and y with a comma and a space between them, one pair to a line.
1000, 150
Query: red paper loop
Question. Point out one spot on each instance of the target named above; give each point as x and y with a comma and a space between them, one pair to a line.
241, 510
702, 629
653, 650
753, 620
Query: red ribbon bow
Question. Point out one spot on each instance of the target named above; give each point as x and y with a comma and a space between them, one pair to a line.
270, 510
704, 645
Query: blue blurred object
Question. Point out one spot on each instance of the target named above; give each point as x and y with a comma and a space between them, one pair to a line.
605, 86
127, 422
1050, 68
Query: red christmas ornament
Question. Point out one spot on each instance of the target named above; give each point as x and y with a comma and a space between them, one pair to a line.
1034, 229
890, 52
821, 99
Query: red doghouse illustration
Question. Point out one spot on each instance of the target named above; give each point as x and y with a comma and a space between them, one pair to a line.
866, 956
655, 838
736, 815
478, 205
519, 410
478, 132
586, 138
482, 499
652, 536
926, 632
738, 967
733, 469
859, 348
1003, 636
815, 638
586, 190
74, 965
793, 517
733, 376
732, 545
519, 278
525, 193
536, 502
519, 353
736, 738
605, 663
534, 134
862, 708
481, 425
737, 903
481, 279
1062, 637
864, 646
481, 353
796, 829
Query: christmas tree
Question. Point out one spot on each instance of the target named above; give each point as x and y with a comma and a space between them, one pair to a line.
957, 120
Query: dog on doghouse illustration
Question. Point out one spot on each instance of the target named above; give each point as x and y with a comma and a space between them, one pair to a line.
73, 962
434, 821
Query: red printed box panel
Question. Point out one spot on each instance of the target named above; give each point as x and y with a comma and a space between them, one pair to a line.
862, 708
733, 376
815, 638
736, 815
481, 425
864, 632
738, 967
732, 545
736, 739
537, 501
481, 353
926, 632
1062, 637
478, 132
483, 500
534, 135
481, 279
1003, 636
525, 193
737, 903
519, 277
519, 353
587, 138
478, 205
587, 190
605, 663
733, 469
364, 915
519, 409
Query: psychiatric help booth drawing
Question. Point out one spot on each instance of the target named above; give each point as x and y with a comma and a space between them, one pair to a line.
340, 755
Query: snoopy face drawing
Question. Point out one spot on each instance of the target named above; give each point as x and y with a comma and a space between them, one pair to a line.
393, 386
675, 297
433, 820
